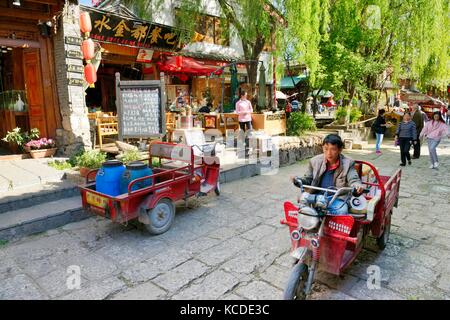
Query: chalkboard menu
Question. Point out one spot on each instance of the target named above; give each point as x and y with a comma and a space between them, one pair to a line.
140, 108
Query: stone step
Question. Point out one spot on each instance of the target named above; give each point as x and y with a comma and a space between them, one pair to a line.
33, 195
25, 173
41, 217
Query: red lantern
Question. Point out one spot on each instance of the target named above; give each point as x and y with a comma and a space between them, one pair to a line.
90, 74
179, 62
87, 47
85, 22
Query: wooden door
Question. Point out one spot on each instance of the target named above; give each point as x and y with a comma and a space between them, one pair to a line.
33, 87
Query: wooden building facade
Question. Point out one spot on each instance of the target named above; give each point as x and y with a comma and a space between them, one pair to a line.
28, 92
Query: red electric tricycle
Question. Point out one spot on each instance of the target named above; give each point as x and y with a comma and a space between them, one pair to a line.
321, 241
180, 175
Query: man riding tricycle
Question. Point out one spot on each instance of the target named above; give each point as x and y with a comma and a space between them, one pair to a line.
341, 202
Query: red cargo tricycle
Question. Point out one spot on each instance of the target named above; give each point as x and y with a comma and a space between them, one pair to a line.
321, 241
181, 175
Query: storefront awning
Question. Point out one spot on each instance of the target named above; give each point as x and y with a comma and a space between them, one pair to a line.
286, 82
188, 66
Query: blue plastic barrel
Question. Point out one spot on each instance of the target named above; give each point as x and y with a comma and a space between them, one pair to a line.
108, 177
135, 170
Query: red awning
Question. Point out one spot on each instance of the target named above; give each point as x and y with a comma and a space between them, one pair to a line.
184, 65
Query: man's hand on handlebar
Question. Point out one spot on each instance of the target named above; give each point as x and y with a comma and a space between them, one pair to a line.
359, 190
297, 181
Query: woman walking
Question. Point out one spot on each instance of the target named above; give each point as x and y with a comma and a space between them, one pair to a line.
434, 131
379, 126
244, 109
406, 133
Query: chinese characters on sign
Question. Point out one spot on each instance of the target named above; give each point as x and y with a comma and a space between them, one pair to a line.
114, 29
141, 112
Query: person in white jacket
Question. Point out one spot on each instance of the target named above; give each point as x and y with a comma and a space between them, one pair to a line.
434, 130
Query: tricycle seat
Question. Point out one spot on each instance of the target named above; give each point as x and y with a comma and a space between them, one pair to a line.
369, 211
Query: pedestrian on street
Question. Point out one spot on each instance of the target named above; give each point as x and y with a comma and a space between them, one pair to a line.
417, 118
379, 126
406, 133
244, 109
434, 131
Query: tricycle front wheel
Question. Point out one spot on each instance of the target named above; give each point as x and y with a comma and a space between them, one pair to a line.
295, 287
161, 217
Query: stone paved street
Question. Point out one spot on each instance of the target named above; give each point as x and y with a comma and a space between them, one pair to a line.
233, 247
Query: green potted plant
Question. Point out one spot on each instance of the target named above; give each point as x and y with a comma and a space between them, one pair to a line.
89, 160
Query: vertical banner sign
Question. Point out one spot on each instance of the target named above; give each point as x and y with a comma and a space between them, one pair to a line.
140, 106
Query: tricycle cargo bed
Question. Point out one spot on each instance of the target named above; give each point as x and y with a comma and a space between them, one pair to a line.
154, 205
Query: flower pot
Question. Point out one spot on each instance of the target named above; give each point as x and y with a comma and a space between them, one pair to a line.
84, 171
42, 153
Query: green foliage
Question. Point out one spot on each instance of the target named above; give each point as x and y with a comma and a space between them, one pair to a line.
155, 163
341, 113
131, 155
300, 122
355, 115
347, 44
21, 138
3, 242
91, 159
60, 165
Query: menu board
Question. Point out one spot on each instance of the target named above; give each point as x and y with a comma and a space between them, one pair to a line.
140, 109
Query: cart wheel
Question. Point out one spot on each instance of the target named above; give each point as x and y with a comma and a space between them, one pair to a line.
295, 288
383, 239
161, 217
217, 189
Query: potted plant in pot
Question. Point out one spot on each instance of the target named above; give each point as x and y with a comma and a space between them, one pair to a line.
41, 148
18, 139
90, 160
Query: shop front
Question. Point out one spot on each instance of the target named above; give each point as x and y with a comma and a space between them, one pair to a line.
28, 97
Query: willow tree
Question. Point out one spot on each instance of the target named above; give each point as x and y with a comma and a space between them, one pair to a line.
253, 21
349, 43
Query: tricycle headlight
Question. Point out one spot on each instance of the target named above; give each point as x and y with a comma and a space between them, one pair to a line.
307, 222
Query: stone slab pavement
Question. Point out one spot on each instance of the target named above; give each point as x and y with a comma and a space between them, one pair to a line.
26, 173
233, 247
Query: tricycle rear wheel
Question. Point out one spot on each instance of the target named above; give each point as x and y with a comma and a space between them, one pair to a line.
161, 217
384, 238
295, 287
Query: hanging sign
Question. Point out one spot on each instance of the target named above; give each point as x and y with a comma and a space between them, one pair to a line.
73, 40
144, 55
75, 68
107, 27
75, 82
74, 54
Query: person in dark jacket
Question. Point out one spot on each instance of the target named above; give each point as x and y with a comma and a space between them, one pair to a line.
406, 133
379, 126
417, 118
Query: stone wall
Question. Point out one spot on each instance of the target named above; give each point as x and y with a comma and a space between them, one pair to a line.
293, 149
74, 134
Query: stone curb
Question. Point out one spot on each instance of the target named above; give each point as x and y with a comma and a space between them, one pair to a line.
20, 202
43, 224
